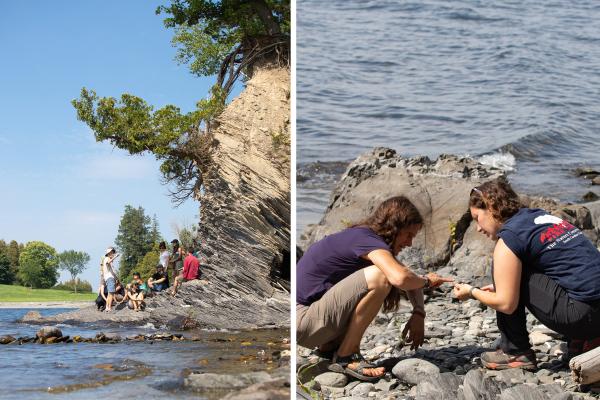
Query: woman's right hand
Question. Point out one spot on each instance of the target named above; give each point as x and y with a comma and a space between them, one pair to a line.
436, 280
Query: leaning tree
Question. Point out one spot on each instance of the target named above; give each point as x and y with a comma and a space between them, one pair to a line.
226, 39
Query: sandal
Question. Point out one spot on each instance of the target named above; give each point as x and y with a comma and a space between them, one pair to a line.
340, 365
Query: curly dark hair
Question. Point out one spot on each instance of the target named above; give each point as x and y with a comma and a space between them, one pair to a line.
390, 217
498, 197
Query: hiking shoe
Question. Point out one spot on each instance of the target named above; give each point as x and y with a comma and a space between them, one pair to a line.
500, 360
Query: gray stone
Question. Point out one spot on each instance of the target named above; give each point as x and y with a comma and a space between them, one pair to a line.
413, 370
362, 389
278, 389
440, 386
522, 392
385, 385
512, 376
47, 332
537, 337
332, 392
332, 379
210, 381
478, 386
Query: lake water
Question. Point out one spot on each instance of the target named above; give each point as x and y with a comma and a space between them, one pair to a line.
122, 370
514, 83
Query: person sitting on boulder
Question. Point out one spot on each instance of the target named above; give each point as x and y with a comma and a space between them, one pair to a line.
344, 279
141, 284
540, 262
159, 280
190, 271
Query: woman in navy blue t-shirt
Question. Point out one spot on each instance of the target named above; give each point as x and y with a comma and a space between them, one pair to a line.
542, 263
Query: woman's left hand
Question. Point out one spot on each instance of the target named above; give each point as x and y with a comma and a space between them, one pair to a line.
462, 291
415, 329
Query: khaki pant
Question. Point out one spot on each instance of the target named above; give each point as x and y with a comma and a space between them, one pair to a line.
327, 319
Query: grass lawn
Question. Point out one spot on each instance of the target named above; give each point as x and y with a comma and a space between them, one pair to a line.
12, 293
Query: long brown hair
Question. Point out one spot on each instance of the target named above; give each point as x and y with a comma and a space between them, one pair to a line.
390, 217
497, 197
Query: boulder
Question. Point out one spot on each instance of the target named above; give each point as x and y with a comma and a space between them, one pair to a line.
332, 379
6, 339
31, 316
439, 189
48, 331
414, 370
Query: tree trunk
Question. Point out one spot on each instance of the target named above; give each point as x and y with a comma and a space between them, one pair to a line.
585, 368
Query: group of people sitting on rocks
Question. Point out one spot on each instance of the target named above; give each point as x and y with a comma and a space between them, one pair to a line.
540, 262
112, 292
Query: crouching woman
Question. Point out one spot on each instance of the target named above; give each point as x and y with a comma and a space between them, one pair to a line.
344, 279
541, 263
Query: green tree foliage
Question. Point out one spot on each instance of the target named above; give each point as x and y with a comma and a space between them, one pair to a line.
135, 239
6, 274
147, 265
226, 38
12, 251
74, 262
38, 265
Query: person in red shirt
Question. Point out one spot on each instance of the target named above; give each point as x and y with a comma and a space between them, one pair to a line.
190, 271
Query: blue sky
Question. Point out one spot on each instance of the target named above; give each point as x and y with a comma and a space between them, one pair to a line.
59, 185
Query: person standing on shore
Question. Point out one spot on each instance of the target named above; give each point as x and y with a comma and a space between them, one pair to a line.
164, 256
109, 276
542, 263
344, 279
176, 259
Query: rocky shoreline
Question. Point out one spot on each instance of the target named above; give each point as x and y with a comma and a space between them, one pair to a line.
447, 366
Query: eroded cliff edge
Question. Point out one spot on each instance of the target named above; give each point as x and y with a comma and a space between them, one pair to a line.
244, 222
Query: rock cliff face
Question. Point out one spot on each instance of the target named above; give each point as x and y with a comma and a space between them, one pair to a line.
245, 210
244, 224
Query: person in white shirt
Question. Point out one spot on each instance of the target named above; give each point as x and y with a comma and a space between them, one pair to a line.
109, 276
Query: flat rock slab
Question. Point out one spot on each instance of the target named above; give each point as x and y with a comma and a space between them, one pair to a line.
210, 381
414, 370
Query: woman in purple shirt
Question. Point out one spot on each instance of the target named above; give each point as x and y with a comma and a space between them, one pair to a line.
344, 279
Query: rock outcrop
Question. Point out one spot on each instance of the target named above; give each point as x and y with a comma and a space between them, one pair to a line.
440, 190
456, 332
244, 221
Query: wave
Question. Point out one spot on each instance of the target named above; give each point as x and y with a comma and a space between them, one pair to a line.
500, 160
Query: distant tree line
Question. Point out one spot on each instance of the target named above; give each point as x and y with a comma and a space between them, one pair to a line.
36, 265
